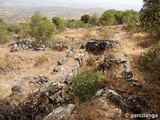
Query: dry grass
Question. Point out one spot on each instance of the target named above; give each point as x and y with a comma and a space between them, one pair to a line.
87, 35
96, 109
40, 60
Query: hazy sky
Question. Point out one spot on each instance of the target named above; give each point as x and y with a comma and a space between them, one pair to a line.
106, 4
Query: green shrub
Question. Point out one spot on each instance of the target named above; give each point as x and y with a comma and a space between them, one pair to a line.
150, 61
14, 27
104, 34
94, 20
150, 17
24, 32
4, 34
107, 18
85, 84
59, 23
85, 18
41, 28
77, 24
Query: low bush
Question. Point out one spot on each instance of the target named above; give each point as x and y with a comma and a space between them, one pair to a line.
59, 23
41, 28
4, 34
150, 62
85, 84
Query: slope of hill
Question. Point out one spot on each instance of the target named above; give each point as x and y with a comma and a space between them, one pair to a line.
18, 12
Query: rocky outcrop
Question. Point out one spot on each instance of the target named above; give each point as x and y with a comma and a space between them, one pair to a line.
120, 98
25, 45
97, 46
62, 112
60, 46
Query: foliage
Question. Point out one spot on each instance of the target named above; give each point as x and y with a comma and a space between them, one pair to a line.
14, 27
94, 20
41, 28
150, 61
24, 32
127, 16
85, 84
76, 24
107, 18
3, 32
59, 23
150, 17
104, 34
85, 18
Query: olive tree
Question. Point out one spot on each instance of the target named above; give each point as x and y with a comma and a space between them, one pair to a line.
41, 28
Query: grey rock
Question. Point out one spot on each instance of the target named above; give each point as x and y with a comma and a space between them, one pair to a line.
123, 60
36, 91
55, 87
127, 73
14, 48
78, 58
120, 91
64, 110
132, 80
71, 74
136, 85
70, 53
16, 88
21, 45
58, 69
99, 93
61, 62
97, 46
114, 97
130, 101
61, 113
40, 47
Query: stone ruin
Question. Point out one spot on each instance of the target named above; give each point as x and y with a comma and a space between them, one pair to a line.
97, 46
25, 45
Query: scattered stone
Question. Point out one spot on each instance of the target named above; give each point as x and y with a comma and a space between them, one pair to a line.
79, 59
119, 91
71, 74
136, 85
60, 46
16, 88
131, 101
114, 97
123, 60
70, 54
99, 93
40, 47
132, 80
37, 79
57, 93
127, 73
65, 109
21, 45
61, 113
58, 69
62, 61
36, 91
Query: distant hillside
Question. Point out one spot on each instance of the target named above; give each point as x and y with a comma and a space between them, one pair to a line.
18, 12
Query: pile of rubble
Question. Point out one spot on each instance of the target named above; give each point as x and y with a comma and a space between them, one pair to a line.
97, 46
38, 104
120, 98
25, 45
60, 46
